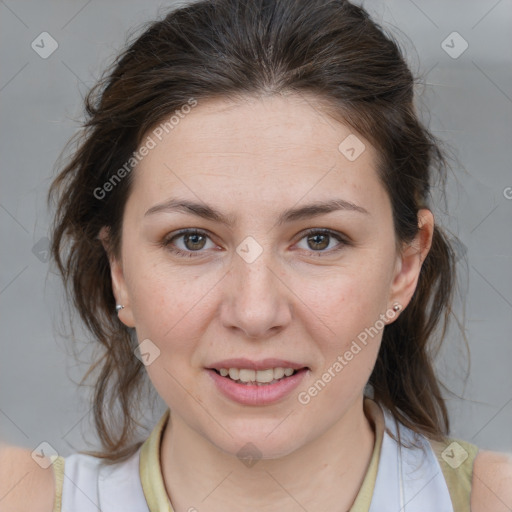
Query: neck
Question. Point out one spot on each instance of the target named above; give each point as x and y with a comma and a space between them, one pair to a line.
325, 474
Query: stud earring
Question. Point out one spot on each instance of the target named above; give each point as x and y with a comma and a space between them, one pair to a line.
119, 307
397, 307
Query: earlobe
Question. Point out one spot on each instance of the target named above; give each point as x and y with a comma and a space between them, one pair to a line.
119, 288
410, 261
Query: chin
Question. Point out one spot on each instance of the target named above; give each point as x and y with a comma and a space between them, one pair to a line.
262, 441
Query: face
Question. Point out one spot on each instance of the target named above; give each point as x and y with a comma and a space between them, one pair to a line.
255, 284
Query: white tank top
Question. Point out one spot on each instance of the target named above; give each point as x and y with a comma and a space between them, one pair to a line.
408, 479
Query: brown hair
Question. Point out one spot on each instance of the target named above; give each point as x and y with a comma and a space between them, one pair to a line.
329, 49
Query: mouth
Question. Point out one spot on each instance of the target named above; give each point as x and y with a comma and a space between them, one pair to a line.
257, 378
257, 388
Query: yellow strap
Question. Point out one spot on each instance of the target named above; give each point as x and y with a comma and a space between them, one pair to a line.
150, 470
456, 458
457, 468
154, 487
58, 472
364, 496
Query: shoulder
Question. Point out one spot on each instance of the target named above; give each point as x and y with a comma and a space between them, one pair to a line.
492, 482
24, 484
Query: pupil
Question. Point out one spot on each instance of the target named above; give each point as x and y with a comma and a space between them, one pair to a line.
194, 236
321, 236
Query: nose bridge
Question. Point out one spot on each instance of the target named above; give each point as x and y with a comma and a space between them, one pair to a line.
254, 265
258, 300
253, 271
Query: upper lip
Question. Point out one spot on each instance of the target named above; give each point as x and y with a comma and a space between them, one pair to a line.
262, 364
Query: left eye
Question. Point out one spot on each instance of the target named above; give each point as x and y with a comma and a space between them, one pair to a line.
194, 240
320, 238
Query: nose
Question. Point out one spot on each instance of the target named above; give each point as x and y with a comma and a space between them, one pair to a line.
256, 301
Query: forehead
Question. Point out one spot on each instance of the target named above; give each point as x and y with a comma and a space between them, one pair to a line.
279, 147
295, 124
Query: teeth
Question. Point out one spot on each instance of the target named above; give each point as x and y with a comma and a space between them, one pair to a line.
247, 375
260, 376
279, 373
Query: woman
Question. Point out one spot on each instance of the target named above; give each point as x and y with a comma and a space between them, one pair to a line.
246, 219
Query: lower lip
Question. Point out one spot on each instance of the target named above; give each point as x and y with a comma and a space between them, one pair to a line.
252, 394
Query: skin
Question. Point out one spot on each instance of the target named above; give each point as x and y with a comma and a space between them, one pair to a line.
284, 304
252, 160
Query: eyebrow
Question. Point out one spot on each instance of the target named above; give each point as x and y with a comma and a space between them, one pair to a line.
293, 214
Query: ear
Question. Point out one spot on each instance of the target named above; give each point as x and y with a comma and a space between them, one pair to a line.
119, 288
410, 260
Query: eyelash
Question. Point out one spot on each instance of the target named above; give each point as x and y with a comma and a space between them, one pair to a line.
167, 242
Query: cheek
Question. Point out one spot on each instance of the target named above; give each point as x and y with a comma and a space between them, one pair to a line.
170, 309
165, 304
347, 326
349, 298
171, 305
348, 349
347, 330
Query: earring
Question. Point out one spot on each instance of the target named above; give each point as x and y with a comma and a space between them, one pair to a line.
397, 307
119, 307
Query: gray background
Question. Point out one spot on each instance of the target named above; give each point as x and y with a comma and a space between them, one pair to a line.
466, 100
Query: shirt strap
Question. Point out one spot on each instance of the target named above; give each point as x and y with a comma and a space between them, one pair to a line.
58, 473
364, 497
150, 469
456, 458
154, 488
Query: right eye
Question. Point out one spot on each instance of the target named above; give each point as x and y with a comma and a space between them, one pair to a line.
193, 240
